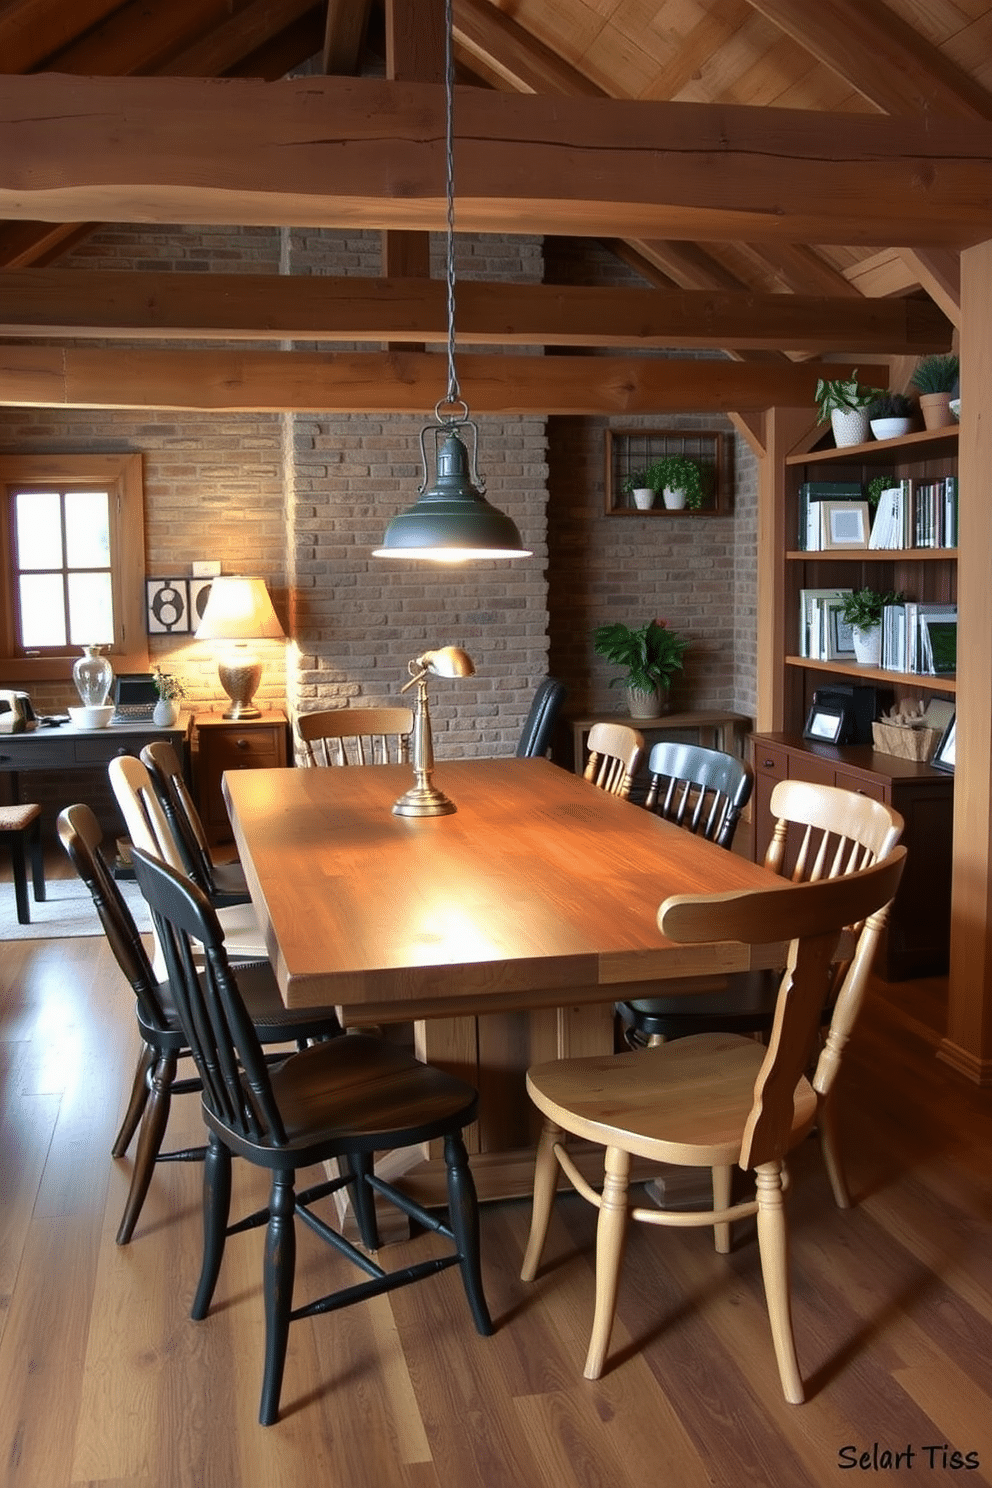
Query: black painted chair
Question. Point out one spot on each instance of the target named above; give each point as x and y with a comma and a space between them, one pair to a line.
345, 1100
223, 883
21, 826
163, 1042
535, 736
703, 790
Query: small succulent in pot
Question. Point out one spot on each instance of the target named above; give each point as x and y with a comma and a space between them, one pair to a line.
891, 406
863, 607
936, 374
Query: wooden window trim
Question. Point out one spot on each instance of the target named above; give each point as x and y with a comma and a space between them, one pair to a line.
123, 477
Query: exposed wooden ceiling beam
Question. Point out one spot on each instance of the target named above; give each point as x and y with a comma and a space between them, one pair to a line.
343, 35
222, 47
880, 54
258, 307
939, 273
399, 382
520, 60
341, 152
31, 31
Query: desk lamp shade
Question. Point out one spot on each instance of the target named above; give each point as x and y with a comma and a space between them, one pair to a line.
239, 610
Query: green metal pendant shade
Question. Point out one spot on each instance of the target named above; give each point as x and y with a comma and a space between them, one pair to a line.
452, 522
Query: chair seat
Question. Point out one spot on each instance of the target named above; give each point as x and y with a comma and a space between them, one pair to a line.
16, 818
744, 1004
274, 1021
685, 1103
355, 1094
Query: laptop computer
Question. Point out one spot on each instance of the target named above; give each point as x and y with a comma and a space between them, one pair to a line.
135, 696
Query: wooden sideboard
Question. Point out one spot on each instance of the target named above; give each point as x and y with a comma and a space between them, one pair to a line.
233, 744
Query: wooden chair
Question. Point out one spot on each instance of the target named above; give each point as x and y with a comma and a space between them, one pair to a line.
615, 754
21, 827
535, 736
834, 832
163, 1042
344, 1100
223, 883
355, 736
717, 1099
148, 827
702, 790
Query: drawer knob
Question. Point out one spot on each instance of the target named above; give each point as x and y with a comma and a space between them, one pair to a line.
241, 743
767, 764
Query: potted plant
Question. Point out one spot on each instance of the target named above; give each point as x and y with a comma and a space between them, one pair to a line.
862, 610
890, 415
638, 484
680, 481
649, 657
843, 402
170, 695
936, 382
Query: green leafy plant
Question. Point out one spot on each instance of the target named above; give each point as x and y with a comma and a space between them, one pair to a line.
878, 484
678, 473
863, 607
648, 655
168, 686
843, 395
638, 480
891, 405
936, 374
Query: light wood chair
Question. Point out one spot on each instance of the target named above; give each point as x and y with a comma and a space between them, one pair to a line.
820, 832
702, 790
717, 1099
355, 736
615, 755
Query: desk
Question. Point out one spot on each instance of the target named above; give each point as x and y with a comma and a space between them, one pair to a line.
508, 929
724, 731
71, 748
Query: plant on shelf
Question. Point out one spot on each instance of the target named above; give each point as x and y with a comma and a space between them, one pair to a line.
648, 655
637, 480
678, 473
876, 486
844, 402
936, 374
863, 607
890, 406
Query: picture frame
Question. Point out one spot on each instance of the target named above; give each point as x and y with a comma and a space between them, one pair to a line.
167, 606
839, 633
943, 755
844, 524
824, 724
199, 593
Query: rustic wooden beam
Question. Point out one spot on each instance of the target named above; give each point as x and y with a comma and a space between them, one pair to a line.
359, 151
519, 59
399, 382
344, 33
260, 307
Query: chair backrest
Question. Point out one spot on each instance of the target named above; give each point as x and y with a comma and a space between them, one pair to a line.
838, 831
615, 754
355, 736
166, 772
209, 1005
811, 916
703, 790
80, 835
535, 737
146, 822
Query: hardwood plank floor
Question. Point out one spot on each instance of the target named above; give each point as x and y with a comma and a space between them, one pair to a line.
104, 1380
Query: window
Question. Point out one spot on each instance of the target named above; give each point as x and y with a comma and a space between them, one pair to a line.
72, 548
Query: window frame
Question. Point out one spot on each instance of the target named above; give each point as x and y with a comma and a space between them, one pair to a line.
123, 477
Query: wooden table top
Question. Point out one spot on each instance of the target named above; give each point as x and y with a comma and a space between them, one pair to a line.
539, 891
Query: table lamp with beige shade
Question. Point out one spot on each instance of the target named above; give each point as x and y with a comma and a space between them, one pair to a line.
239, 610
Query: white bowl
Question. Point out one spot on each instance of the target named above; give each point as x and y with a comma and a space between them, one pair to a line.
91, 718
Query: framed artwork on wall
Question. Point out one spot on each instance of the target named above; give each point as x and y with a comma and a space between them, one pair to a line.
167, 606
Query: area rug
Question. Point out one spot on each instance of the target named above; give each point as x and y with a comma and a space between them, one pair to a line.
67, 911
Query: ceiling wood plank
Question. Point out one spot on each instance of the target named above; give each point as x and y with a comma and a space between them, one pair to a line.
256, 307
939, 273
520, 60
222, 47
880, 54
398, 382
347, 151
347, 21
31, 31
799, 269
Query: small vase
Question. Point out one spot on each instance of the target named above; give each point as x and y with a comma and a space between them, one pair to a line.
647, 704
850, 425
93, 675
867, 645
166, 713
674, 500
643, 498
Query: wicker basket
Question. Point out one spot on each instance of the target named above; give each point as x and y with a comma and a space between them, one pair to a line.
905, 743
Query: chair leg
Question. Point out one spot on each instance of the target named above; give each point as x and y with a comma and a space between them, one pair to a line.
830, 1144
463, 1208
545, 1186
138, 1101
358, 1165
610, 1233
280, 1268
773, 1245
37, 862
216, 1209
19, 869
722, 1184
153, 1126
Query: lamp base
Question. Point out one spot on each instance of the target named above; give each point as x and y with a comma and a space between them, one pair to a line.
239, 676
424, 800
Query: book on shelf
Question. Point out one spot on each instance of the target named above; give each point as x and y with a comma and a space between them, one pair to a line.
812, 492
907, 637
823, 635
917, 514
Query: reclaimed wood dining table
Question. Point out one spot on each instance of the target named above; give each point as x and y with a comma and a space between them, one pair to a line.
503, 932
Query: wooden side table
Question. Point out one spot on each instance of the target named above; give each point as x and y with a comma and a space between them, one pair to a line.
233, 744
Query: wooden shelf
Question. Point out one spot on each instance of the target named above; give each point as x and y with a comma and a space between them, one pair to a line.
927, 680
924, 444
871, 555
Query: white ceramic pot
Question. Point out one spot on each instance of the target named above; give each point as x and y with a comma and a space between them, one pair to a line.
850, 425
890, 428
674, 500
643, 498
867, 645
166, 713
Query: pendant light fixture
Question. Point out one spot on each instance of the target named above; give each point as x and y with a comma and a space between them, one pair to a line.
451, 521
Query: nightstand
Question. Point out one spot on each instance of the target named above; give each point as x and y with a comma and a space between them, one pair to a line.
233, 744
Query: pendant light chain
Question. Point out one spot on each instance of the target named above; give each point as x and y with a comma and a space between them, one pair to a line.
454, 390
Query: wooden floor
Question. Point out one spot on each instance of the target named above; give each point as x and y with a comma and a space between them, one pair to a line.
105, 1380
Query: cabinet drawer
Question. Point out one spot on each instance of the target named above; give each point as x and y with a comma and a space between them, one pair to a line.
862, 786
251, 749
771, 760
